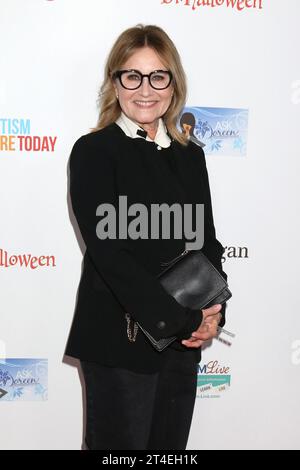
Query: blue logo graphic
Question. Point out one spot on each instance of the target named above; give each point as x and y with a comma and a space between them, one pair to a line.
23, 379
220, 131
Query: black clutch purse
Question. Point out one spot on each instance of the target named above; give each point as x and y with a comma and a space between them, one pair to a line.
194, 282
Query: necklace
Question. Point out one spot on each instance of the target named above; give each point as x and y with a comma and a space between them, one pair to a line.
131, 334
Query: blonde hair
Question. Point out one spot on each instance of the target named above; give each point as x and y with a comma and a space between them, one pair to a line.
126, 44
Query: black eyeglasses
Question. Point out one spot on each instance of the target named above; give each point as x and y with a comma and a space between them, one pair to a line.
132, 79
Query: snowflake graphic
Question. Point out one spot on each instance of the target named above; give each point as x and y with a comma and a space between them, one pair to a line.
39, 389
216, 145
239, 144
202, 128
18, 392
4, 377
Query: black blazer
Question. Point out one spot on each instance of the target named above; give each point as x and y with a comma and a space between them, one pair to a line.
119, 275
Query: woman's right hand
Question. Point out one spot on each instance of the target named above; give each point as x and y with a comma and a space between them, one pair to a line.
208, 328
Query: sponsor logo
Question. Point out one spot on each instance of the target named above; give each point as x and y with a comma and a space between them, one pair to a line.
8, 260
16, 136
213, 379
23, 379
222, 131
238, 5
236, 252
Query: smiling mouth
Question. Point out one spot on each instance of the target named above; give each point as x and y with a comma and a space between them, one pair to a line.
145, 104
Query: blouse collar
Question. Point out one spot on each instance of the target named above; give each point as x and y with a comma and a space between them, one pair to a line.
130, 128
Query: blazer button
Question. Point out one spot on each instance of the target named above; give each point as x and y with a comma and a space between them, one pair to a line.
161, 325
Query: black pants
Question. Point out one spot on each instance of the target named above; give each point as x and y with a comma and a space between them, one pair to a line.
130, 410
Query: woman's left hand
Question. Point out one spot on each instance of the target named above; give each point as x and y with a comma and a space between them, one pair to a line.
205, 332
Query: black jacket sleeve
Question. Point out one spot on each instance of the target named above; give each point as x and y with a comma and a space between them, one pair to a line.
212, 248
92, 182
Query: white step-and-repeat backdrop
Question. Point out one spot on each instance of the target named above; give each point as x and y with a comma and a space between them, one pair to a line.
242, 62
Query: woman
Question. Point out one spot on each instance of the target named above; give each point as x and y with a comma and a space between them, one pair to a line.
137, 397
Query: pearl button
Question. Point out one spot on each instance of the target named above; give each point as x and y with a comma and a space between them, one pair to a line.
158, 147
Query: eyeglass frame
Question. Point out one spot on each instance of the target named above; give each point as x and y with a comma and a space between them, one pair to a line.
118, 74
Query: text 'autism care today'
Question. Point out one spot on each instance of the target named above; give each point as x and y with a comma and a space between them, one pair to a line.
15, 135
